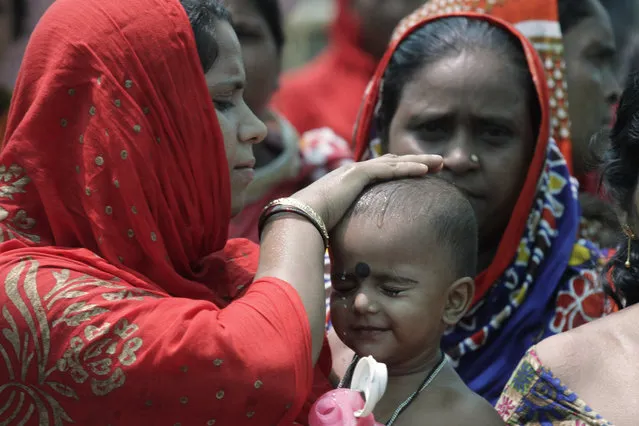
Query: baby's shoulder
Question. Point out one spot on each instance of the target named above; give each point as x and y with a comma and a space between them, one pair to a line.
459, 407
472, 409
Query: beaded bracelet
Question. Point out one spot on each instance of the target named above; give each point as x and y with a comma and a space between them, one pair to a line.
292, 205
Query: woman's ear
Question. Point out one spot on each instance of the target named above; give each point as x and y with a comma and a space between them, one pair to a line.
460, 296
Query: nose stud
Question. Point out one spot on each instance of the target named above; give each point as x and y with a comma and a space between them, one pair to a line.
474, 159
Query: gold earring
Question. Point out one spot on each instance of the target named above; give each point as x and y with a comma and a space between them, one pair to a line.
631, 236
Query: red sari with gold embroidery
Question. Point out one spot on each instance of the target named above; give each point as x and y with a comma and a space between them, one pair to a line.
122, 301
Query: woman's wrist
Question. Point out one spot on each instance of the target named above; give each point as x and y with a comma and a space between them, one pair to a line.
293, 206
288, 243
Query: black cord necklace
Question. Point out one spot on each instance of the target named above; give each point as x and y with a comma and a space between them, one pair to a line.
404, 405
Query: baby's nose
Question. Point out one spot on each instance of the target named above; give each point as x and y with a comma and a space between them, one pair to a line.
363, 303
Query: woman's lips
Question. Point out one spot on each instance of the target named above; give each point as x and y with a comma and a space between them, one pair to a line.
249, 164
244, 174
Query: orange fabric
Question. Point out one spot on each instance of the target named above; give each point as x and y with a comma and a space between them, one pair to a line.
510, 242
328, 91
122, 300
539, 21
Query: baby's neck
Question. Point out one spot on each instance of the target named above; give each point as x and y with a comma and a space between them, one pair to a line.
403, 382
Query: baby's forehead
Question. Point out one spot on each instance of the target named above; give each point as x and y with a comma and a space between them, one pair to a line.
393, 239
411, 226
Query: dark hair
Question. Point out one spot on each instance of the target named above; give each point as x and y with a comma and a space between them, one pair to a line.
620, 173
572, 12
430, 203
203, 15
19, 17
441, 39
270, 11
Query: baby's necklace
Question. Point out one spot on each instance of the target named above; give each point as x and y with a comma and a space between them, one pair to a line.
401, 407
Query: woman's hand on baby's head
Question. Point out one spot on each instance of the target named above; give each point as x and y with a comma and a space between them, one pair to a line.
332, 195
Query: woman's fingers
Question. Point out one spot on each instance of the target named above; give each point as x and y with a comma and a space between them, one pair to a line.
434, 162
417, 158
394, 167
334, 193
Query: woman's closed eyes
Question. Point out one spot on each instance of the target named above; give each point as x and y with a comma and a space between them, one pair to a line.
223, 105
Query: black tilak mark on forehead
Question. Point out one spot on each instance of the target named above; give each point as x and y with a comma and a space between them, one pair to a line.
362, 270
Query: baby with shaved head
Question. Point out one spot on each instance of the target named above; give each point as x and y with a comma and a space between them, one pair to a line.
403, 261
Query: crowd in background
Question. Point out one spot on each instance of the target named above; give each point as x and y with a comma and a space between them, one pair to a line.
140, 270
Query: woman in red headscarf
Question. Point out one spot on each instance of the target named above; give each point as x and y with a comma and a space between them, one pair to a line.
122, 300
484, 107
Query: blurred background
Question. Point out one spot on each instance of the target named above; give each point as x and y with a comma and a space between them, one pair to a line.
306, 27
306, 24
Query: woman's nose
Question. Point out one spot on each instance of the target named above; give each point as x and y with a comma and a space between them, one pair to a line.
251, 129
459, 160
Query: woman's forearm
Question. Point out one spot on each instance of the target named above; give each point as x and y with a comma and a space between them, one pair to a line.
292, 250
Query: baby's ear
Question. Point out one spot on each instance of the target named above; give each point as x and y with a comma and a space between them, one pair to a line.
460, 296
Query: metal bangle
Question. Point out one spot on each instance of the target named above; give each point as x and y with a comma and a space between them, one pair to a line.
292, 205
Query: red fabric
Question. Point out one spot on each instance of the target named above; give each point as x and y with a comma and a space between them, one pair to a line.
510, 241
328, 91
590, 183
122, 300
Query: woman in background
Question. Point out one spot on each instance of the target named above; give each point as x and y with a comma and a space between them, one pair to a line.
577, 46
327, 92
587, 376
284, 163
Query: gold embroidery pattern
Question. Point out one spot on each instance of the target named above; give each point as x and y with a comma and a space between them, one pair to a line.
96, 354
20, 223
436, 7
